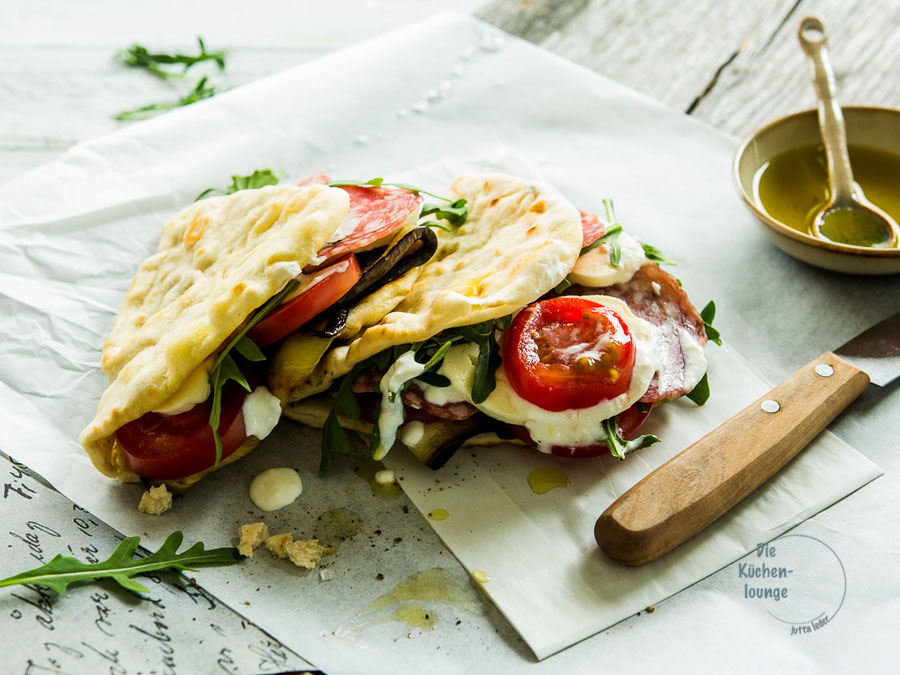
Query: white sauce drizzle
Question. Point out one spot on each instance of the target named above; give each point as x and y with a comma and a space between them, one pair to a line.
390, 418
694, 359
274, 489
261, 412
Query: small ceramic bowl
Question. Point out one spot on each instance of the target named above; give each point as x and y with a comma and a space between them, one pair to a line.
874, 127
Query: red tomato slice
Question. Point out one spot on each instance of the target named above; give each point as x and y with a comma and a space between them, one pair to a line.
317, 292
169, 447
592, 227
628, 422
374, 214
568, 353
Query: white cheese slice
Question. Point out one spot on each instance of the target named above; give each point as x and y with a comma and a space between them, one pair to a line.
195, 389
594, 269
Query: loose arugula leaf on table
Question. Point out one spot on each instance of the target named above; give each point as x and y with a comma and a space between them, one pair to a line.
138, 56
121, 566
225, 368
618, 446
199, 92
259, 178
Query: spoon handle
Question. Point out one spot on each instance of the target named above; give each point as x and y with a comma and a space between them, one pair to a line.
831, 120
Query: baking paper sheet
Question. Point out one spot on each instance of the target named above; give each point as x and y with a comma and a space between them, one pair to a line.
72, 233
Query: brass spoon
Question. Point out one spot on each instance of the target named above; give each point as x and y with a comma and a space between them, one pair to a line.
848, 209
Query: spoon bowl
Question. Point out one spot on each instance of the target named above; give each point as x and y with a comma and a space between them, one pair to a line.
848, 217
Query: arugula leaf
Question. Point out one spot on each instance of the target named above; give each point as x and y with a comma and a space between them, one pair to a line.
434, 379
454, 213
708, 313
225, 368
334, 437
656, 255
198, 93
138, 56
562, 286
259, 178
121, 565
618, 446
380, 182
700, 393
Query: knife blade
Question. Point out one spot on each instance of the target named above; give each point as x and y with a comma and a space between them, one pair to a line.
699, 485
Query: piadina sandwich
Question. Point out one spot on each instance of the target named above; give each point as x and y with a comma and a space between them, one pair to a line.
232, 276
499, 314
533, 323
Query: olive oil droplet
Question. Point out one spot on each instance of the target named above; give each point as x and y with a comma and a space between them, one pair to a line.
438, 514
545, 478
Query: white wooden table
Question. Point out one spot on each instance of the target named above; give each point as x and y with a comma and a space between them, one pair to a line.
733, 64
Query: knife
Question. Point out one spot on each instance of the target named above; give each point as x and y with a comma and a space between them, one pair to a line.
700, 484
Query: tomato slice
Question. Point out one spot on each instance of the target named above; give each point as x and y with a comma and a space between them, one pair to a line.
317, 292
169, 447
628, 423
568, 353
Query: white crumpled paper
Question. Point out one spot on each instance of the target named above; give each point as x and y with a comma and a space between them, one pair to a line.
73, 232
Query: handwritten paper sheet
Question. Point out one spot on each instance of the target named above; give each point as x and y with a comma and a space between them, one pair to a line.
177, 627
73, 233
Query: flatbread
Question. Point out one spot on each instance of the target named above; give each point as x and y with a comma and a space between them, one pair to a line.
519, 241
217, 261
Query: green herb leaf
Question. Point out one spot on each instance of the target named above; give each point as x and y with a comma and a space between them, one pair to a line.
379, 182
618, 446
138, 56
434, 379
259, 178
249, 350
225, 368
656, 255
562, 286
488, 361
700, 393
455, 213
199, 92
121, 565
708, 313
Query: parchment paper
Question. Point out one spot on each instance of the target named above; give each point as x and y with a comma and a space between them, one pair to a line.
72, 233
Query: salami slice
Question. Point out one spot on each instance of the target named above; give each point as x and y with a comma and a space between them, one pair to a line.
593, 228
655, 296
374, 214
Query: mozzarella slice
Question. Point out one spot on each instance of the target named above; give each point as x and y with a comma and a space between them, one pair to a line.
195, 389
594, 269
567, 427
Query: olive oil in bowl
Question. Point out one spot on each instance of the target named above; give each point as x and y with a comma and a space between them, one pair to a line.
793, 186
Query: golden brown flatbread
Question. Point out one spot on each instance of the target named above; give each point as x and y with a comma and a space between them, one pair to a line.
217, 261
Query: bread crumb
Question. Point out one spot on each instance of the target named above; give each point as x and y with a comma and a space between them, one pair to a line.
155, 501
252, 536
651, 609
276, 544
307, 553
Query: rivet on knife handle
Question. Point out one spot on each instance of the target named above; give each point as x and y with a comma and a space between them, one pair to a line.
697, 486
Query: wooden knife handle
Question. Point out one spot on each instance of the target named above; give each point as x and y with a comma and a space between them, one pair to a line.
700, 484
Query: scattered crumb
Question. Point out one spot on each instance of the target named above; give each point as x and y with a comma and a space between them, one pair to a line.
384, 477
307, 553
651, 609
379, 577
156, 501
276, 543
326, 574
252, 536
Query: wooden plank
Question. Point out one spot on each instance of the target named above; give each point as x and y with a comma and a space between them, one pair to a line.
670, 51
769, 77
